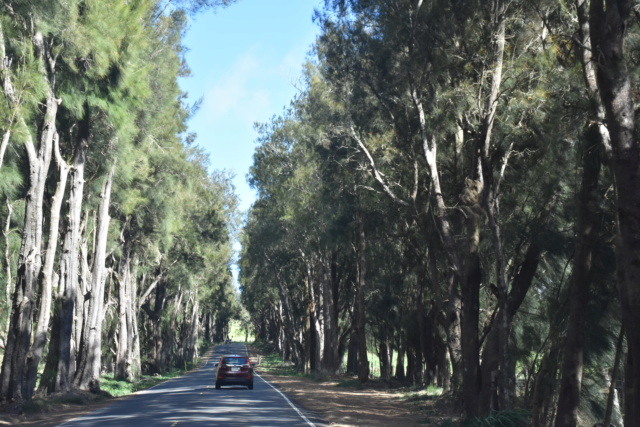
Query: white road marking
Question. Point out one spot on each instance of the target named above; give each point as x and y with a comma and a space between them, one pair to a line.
283, 396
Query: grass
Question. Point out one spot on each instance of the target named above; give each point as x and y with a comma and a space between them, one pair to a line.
272, 363
510, 418
117, 388
425, 395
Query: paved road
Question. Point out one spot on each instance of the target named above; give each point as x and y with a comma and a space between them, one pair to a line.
192, 400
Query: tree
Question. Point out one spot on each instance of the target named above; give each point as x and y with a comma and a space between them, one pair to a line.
608, 23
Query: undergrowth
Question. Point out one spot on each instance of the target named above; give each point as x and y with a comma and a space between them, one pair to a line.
511, 418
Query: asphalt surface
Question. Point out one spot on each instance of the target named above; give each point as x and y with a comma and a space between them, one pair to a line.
192, 400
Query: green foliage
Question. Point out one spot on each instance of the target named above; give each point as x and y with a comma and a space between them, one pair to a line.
117, 388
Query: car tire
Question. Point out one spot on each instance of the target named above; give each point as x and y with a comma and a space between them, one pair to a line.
217, 386
250, 386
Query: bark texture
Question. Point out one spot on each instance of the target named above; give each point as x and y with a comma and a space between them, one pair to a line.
47, 278
60, 367
89, 355
13, 378
360, 320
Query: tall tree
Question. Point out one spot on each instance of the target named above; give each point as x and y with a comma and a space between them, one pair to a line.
608, 26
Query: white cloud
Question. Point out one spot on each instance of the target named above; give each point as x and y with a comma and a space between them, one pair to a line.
290, 68
237, 93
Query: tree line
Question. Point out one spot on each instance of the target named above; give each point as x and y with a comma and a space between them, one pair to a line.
455, 189
116, 237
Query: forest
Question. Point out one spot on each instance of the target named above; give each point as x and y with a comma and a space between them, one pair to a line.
455, 193
116, 237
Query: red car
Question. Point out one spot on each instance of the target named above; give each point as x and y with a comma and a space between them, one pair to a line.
234, 370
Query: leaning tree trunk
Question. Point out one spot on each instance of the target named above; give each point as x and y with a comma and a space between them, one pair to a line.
90, 348
608, 23
9, 91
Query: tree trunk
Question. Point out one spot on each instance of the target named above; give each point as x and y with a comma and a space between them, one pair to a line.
9, 91
470, 291
385, 358
608, 413
71, 273
90, 348
13, 379
123, 355
400, 374
579, 286
59, 379
47, 274
608, 23
331, 357
136, 367
363, 360
490, 368
315, 331
352, 354
192, 349
7, 256
454, 338
544, 386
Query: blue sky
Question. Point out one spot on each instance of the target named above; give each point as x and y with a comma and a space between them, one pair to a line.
246, 61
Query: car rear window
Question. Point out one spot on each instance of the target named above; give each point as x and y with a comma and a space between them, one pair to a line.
235, 361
